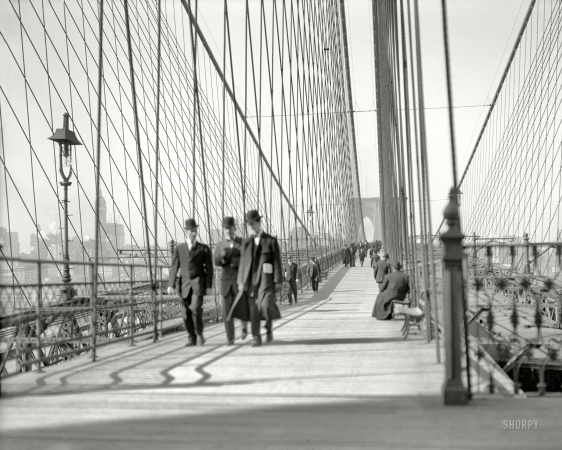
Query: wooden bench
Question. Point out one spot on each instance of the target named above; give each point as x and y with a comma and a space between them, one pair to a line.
413, 316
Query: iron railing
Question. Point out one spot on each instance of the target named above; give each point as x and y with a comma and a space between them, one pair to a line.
513, 311
44, 322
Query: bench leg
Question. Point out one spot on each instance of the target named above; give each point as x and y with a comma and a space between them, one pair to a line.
406, 327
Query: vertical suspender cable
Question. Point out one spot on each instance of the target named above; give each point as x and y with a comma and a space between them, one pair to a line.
156, 175
425, 177
139, 151
97, 212
455, 182
358, 208
382, 221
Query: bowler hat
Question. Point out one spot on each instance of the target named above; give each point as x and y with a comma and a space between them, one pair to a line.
252, 216
228, 222
190, 224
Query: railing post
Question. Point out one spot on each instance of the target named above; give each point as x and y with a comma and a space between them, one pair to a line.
38, 315
18, 351
93, 312
154, 308
161, 306
453, 291
527, 268
131, 308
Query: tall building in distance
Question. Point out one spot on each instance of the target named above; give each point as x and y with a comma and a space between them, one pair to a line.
112, 235
10, 242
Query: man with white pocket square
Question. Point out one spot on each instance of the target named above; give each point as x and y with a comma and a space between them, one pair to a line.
260, 276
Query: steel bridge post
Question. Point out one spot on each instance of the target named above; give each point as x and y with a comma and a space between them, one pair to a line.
527, 268
131, 307
38, 314
454, 392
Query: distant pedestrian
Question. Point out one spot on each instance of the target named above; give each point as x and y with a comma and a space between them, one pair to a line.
313, 274
375, 258
382, 268
196, 264
291, 278
362, 255
346, 256
260, 276
227, 256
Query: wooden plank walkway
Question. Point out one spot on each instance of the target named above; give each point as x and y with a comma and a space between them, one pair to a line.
333, 378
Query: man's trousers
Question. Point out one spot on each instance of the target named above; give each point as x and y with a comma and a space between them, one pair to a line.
227, 302
256, 317
192, 306
292, 290
314, 282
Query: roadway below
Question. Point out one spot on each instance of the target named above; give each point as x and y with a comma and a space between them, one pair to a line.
334, 378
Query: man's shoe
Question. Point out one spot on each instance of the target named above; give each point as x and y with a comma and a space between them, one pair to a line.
256, 342
244, 334
230, 342
269, 337
202, 340
191, 341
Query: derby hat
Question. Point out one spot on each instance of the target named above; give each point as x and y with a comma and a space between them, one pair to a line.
252, 216
190, 224
228, 222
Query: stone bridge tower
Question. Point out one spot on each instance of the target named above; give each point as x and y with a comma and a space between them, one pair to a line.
371, 210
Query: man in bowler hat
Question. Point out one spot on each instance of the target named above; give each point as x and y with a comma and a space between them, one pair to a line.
382, 268
260, 276
195, 261
375, 258
227, 256
292, 278
313, 274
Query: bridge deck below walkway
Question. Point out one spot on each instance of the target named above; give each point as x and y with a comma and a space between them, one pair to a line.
333, 378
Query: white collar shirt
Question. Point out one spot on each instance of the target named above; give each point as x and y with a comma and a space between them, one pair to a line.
257, 238
190, 244
230, 241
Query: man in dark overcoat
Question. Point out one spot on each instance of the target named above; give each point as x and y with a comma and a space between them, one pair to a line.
375, 258
260, 276
382, 268
353, 254
196, 264
291, 278
395, 286
346, 255
227, 256
313, 274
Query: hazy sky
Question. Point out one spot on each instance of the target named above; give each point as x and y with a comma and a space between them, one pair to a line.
482, 33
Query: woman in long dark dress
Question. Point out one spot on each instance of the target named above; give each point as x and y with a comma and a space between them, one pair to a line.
395, 286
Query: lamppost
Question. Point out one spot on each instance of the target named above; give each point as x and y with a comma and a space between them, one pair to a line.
66, 139
458, 195
310, 213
